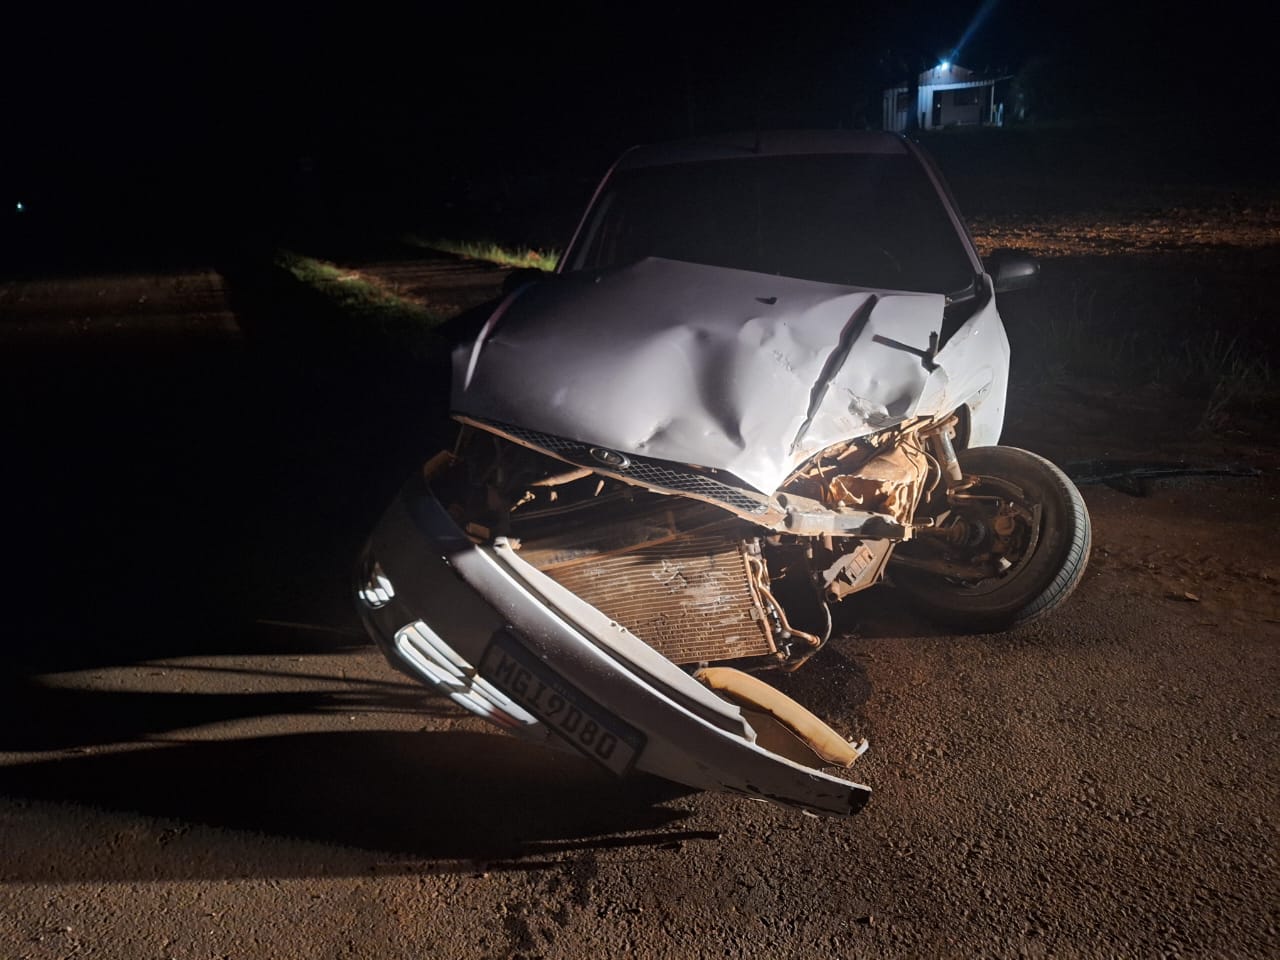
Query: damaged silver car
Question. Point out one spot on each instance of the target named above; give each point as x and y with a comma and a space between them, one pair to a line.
769, 374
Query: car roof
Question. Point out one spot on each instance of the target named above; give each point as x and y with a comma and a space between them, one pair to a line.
767, 143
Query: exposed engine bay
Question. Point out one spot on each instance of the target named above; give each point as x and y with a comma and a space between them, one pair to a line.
702, 580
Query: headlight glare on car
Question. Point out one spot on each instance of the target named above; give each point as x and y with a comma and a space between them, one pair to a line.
375, 590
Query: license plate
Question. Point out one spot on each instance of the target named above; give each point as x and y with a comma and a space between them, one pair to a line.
570, 713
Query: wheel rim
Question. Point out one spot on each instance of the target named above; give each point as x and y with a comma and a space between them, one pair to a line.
1003, 523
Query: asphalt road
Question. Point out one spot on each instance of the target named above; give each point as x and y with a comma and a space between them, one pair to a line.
200, 756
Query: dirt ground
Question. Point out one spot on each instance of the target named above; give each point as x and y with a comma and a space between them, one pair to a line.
201, 757
1170, 229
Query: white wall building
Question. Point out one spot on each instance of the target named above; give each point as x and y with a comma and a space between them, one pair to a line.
948, 95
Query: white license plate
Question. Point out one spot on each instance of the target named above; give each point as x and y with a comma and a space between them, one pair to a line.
569, 712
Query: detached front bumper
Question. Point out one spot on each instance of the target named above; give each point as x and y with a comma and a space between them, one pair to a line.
505, 641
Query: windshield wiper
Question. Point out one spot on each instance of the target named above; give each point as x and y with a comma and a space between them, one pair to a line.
926, 356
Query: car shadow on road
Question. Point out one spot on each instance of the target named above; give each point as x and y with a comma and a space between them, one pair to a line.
36, 715
113, 738
358, 801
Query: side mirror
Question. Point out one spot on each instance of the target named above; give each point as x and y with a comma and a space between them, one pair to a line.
521, 276
1011, 271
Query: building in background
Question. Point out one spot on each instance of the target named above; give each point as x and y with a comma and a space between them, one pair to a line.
946, 96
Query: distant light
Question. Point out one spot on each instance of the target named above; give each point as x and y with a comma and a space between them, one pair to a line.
945, 65
20, 207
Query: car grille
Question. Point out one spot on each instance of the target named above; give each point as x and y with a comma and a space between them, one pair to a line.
639, 470
689, 598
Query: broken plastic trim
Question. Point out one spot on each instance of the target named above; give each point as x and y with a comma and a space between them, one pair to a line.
640, 471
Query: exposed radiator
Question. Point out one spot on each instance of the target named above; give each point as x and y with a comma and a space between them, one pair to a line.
689, 597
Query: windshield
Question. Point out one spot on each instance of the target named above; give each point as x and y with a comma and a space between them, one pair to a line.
870, 221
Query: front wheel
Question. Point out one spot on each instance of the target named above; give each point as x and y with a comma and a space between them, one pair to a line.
1009, 544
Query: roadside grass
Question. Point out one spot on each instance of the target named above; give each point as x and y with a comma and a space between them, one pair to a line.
368, 308
1238, 381
490, 252
1131, 331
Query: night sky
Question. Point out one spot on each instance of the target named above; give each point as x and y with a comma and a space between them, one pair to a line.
144, 110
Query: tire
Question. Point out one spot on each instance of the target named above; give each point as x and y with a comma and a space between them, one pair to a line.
1037, 581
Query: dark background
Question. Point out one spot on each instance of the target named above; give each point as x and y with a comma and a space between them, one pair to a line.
165, 128
179, 493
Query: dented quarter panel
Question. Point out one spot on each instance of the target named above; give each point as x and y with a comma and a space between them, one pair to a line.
698, 364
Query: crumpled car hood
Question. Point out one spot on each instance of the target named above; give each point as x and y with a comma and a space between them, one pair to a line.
728, 369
